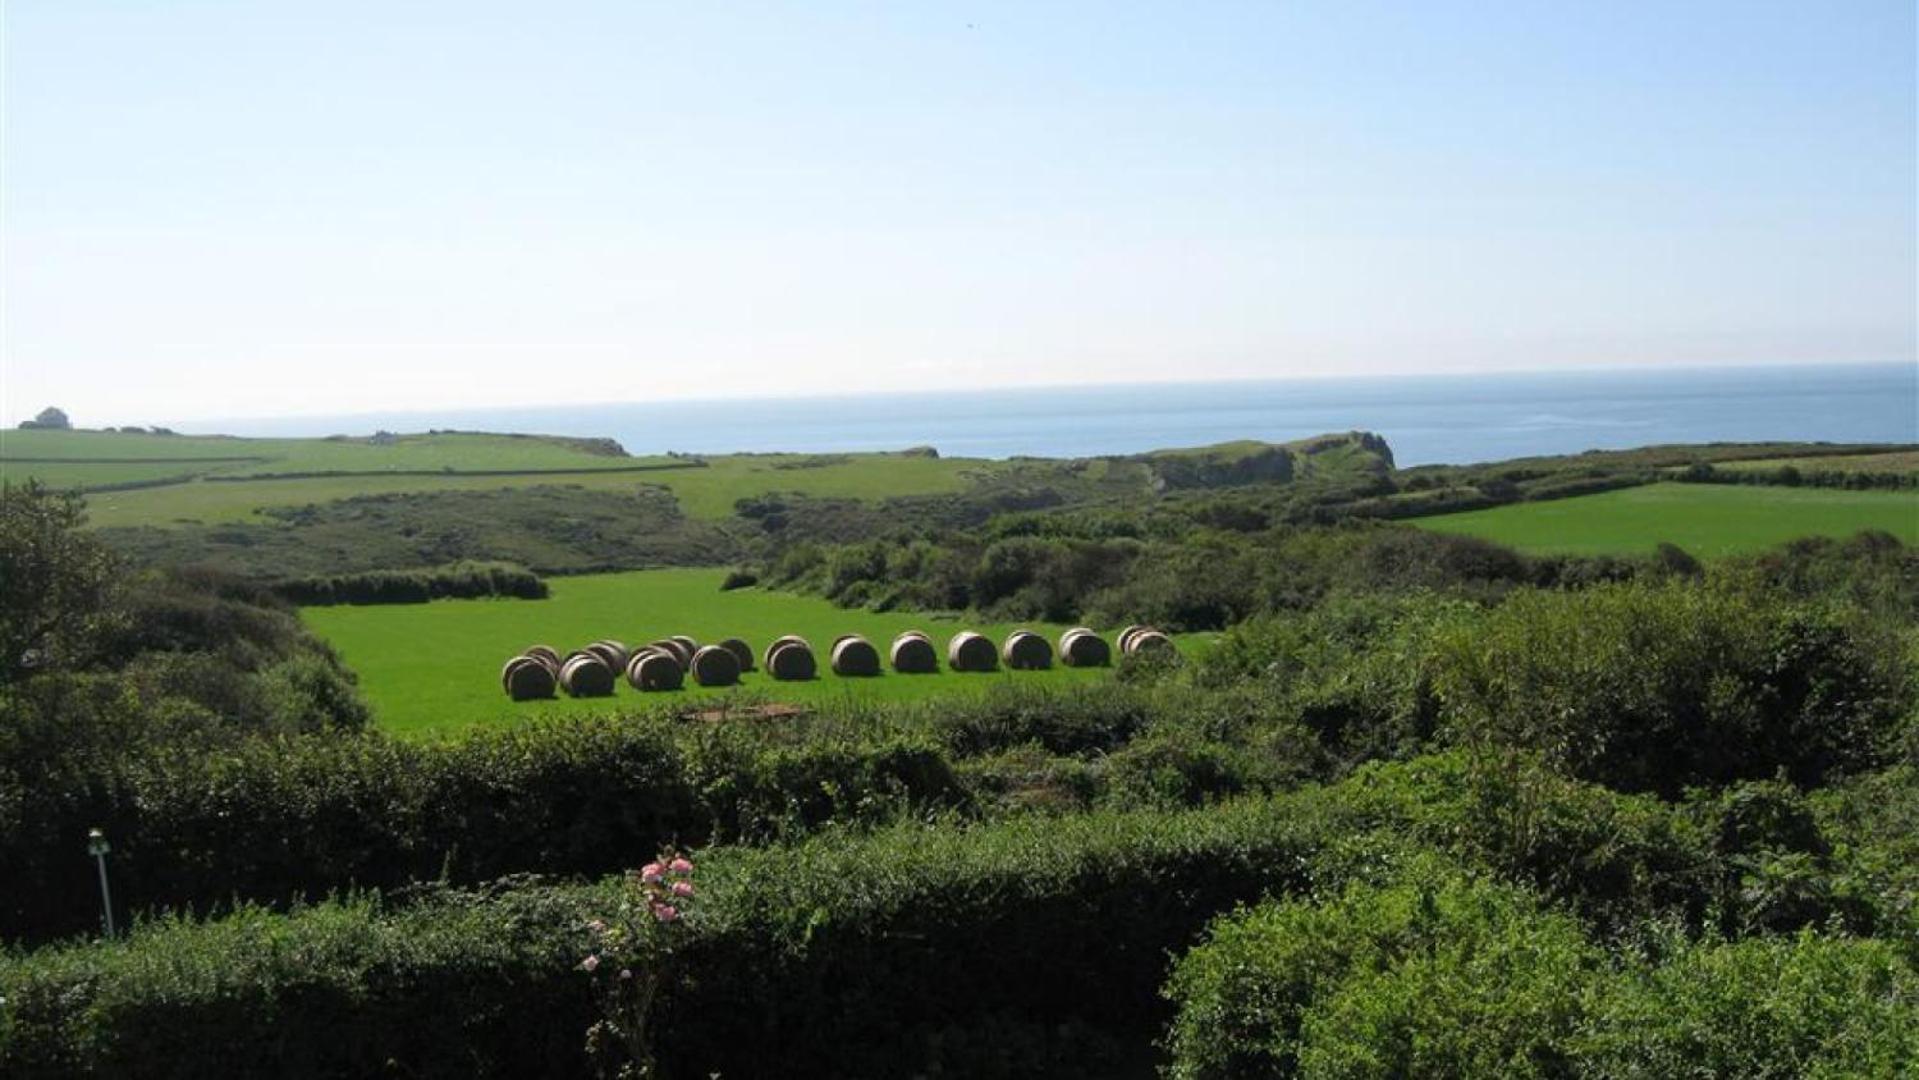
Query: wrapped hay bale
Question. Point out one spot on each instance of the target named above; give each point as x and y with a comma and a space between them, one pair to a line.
1149, 642
545, 654
969, 651
526, 677
673, 648
785, 639
913, 654
611, 653
854, 656
654, 669
741, 651
586, 675
1081, 647
688, 645
714, 666
1026, 651
791, 661
1125, 639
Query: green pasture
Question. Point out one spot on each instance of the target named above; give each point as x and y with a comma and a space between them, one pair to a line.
434, 669
703, 492
231, 455
1704, 519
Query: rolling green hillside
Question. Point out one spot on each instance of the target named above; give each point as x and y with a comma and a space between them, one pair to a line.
1704, 519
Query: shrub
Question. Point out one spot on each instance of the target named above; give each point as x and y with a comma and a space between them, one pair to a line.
272, 819
465, 580
1653, 687
1807, 1006
1441, 976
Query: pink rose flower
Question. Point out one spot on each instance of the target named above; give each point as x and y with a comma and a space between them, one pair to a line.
589, 964
666, 912
680, 866
651, 872
682, 888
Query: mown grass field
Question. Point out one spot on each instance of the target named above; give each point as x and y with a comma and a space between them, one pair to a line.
433, 669
1704, 519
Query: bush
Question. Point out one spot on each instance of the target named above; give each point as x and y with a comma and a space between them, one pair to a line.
842, 955
1807, 1006
273, 819
466, 580
1654, 687
1443, 975
910, 948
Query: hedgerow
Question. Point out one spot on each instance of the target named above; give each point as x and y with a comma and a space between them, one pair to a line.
844, 954
464, 580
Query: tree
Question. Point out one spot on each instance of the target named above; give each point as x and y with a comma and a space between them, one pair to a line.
55, 581
49, 417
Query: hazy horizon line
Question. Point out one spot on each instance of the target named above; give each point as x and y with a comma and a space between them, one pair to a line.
1117, 385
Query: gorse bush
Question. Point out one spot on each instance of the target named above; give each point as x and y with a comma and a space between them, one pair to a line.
466, 580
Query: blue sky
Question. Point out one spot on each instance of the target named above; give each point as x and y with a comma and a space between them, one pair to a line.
220, 209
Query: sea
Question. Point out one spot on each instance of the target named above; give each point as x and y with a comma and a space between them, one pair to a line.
1426, 419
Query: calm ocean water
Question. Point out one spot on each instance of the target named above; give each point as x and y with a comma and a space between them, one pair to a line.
1427, 419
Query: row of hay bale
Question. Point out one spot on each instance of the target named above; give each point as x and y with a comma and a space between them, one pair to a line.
539, 671
593, 671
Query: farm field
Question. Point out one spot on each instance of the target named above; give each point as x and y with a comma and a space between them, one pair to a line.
431, 670
1704, 519
707, 492
1900, 461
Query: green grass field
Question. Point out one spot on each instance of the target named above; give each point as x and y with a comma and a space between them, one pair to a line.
708, 492
206, 491
1899, 461
1704, 519
433, 669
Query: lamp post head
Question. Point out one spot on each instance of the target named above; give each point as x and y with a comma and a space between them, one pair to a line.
97, 843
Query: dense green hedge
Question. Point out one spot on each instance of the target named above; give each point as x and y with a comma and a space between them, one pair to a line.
465, 580
851, 955
1444, 975
270, 819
